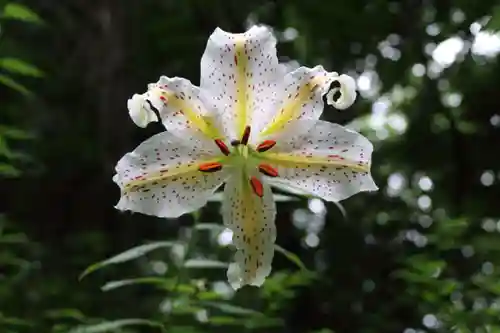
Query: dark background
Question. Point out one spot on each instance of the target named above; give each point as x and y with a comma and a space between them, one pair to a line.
420, 255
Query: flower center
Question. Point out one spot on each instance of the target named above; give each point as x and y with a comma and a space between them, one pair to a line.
245, 158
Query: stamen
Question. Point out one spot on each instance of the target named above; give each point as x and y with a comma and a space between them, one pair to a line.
266, 145
245, 136
210, 167
235, 143
268, 170
257, 186
222, 146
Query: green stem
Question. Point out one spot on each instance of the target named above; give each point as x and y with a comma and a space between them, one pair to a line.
183, 275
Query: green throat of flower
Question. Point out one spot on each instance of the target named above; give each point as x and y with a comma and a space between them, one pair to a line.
245, 159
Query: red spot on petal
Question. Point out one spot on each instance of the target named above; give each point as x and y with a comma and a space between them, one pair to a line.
336, 157
236, 60
257, 186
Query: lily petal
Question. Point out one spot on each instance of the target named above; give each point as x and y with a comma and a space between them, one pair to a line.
251, 218
329, 161
161, 176
302, 99
139, 111
240, 71
183, 108
344, 94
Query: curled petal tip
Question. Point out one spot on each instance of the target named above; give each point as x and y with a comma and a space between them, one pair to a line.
342, 93
139, 111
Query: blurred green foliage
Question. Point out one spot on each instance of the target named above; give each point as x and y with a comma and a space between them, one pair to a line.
421, 255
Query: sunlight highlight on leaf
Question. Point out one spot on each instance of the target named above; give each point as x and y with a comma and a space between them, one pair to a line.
19, 12
9, 82
111, 326
143, 280
229, 308
130, 254
205, 263
19, 66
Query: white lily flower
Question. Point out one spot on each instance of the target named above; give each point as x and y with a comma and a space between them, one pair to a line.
342, 93
139, 111
247, 125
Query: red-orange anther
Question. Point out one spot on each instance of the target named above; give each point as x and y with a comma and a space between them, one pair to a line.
245, 136
257, 186
222, 146
266, 145
268, 170
210, 167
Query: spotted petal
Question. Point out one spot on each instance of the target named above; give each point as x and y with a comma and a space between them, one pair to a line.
161, 177
241, 72
329, 161
302, 99
251, 218
182, 108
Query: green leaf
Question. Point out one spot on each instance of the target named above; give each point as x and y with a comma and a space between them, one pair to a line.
14, 133
109, 326
183, 329
223, 320
291, 256
494, 22
10, 321
4, 148
209, 226
16, 11
128, 255
229, 308
144, 280
14, 239
204, 263
208, 295
5, 80
8, 170
185, 308
21, 67
66, 314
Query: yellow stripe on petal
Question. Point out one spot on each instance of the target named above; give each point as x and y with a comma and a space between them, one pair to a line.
163, 175
241, 72
251, 218
205, 124
329, 161
290, 160
296, 102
